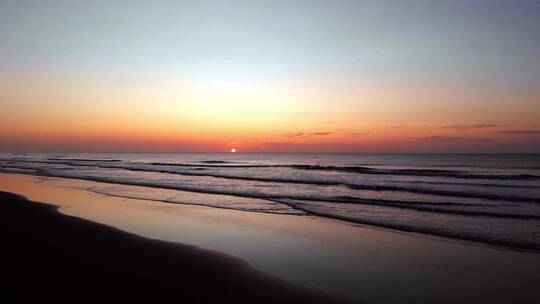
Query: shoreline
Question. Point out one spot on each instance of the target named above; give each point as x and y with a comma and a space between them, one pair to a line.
362, 263
53, 255
392, 227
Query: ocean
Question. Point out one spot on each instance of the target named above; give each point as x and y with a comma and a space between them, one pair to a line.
488, 198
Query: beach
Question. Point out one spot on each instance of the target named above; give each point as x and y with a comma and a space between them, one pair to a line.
357, 262
47, 255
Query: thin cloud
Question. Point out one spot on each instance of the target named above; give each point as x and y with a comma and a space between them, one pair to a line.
518, 132
305, 135
449, 139
277, 146
349, 132
293, 134
302, 144
440, 138
473, 126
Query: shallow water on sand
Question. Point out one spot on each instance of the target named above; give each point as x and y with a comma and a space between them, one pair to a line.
360, 262
489, 198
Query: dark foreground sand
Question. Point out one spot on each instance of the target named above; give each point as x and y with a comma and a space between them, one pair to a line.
47, 255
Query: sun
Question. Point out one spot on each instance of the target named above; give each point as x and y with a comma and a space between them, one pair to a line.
233, 150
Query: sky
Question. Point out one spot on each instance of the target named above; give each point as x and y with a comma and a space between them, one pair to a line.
270, 76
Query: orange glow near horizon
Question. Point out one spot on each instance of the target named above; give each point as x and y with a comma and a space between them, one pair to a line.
264, 118
340, 77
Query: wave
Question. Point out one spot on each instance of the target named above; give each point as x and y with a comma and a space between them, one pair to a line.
505, 242
217, 162
450, 193
349, 169
486, 196
336, 203
292, 211
419, 172
302, 210
477, 166
86, 160
434, 207
368, 170
472, 184
213, 165
437, 192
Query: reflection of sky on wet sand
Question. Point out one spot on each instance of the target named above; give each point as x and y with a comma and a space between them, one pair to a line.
370, 264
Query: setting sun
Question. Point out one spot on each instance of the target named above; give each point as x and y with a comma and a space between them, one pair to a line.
233, 150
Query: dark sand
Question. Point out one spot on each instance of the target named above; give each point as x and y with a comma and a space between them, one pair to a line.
47, 255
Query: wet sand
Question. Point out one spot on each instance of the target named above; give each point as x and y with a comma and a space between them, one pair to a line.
48, 255
360, 262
